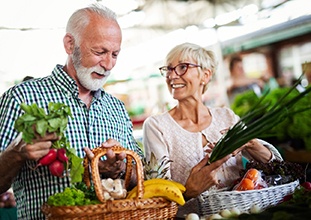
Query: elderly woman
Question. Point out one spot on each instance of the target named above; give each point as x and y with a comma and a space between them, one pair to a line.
186, 133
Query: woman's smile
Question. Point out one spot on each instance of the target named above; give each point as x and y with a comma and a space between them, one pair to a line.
177, 86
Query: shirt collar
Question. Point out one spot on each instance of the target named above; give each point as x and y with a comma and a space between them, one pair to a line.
69, 85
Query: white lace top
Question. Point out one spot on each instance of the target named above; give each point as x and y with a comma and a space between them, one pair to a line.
163, 136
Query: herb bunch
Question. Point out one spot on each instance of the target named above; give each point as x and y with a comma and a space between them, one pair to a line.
35, 121
257, 122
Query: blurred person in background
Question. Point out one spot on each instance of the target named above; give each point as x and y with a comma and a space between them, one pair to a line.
239, 82
306, 67
92, 42
186, 134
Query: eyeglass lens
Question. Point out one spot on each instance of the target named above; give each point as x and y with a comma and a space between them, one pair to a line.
181, 68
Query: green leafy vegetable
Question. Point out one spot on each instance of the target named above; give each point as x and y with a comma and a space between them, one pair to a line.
258, 121
72, 196
35, 120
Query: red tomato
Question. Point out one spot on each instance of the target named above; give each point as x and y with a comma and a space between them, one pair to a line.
252, 174
245, 184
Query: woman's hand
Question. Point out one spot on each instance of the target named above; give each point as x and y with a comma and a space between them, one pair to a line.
256, 150
114, 165
202, 177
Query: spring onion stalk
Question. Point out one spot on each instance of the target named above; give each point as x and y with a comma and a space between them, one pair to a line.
257, 122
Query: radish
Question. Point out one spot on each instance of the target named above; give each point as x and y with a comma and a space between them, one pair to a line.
306, 185
57, 168
61, 155
48, 158
287, 198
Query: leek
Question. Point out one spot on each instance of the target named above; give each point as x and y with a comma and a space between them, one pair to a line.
257, 122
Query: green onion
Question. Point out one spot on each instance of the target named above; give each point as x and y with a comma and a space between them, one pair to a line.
257, 122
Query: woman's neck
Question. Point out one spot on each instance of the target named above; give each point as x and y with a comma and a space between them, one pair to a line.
193, 118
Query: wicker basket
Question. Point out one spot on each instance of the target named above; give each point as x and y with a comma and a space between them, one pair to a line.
137, 208
211, 203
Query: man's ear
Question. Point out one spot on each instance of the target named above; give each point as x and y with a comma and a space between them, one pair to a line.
69, 43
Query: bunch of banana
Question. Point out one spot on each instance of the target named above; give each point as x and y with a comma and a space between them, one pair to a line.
168, 189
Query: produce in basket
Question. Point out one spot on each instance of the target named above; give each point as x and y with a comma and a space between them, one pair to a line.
278, 172
99, 208
213, 203
156, 183
77, 194
113, 189
251, 180
257, 122
158, 187
61, 156
155, 168
297, 206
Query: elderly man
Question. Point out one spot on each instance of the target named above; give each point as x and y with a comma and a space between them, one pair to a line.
92, 42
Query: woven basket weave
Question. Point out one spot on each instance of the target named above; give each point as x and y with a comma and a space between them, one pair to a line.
137, 208
214, 202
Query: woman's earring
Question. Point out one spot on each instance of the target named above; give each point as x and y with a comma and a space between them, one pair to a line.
203, 83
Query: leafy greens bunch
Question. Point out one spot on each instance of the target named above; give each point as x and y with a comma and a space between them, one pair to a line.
35, 121
73, 196
258, 121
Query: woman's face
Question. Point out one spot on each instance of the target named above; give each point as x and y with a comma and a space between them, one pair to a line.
187, 86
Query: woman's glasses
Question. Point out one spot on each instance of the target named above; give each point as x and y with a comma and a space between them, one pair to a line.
180, 69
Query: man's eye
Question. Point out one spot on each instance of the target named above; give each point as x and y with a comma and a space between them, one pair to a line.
99, 52
115, 55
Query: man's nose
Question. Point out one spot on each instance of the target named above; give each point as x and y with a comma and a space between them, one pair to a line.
107, 62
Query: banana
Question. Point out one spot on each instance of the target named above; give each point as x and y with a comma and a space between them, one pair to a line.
163, 189
180, 186
166, 191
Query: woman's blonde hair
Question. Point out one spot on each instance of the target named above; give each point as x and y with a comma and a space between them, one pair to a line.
203, 57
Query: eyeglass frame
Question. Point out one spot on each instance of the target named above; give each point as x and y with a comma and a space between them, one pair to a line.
170, 69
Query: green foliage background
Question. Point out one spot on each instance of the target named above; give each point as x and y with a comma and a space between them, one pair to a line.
296, 126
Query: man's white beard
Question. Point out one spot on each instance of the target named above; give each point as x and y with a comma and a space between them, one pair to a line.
85, 77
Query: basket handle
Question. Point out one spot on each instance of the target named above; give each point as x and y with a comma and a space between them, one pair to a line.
101, 151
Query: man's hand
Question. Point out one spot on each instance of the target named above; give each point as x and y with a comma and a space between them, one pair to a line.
114, 164
34, 151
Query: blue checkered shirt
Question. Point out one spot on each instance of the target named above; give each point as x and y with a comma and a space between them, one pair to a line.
106, 118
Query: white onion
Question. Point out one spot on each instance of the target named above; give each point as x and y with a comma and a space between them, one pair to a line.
255, 209
192, 216
215, 216
235, 211
226, 213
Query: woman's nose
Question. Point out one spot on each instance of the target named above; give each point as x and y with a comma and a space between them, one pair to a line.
173, 75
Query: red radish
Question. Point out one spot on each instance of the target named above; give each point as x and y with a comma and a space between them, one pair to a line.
61, 155
48, 158
306, 185
57, 168
287, 198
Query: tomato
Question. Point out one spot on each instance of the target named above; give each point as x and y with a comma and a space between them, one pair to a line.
252, 174
245, 184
